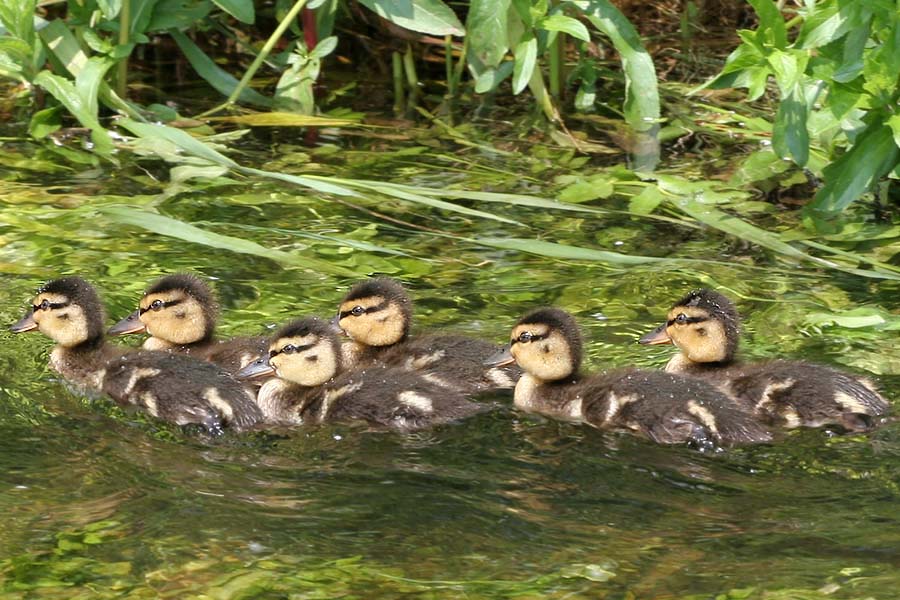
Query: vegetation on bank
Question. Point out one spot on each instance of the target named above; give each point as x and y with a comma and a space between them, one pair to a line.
829, 66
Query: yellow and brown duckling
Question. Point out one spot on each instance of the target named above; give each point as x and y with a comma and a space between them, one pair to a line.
705, 327
666, 408
376, 315
179, 312
174, 388
306, 357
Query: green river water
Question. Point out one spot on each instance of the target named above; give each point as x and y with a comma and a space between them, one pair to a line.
98, 503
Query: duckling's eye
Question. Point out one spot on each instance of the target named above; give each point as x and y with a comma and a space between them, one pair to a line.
357, 310
157, 305
525, 337
45, 304
681, 319
289, 349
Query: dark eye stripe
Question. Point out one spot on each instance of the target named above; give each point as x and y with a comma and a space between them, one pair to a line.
297, 349
50, 306
346, 313
671, 322
534, 338
164, 305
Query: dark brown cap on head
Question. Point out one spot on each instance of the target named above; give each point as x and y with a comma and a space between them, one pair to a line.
194, 287
389, 290
561, 321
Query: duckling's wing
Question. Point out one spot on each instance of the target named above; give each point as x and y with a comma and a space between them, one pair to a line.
180, 389
810, 395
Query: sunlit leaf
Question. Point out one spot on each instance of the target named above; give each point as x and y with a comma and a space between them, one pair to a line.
425, 16
242, 10
185, 231
285, 119
486, 25
554, 250
526, 59
559, 22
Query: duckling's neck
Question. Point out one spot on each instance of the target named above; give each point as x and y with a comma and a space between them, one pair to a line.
155, 343
85, 364
548, 398
680, 363
354, 354
284, 402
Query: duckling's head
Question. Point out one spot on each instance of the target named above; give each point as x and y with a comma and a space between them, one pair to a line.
67, 310
704, 325
176, 309
306, 352
546, 343
376, 312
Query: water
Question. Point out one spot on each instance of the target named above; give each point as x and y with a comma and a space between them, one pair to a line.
96, 502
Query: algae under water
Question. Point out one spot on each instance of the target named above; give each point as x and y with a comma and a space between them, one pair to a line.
100, 503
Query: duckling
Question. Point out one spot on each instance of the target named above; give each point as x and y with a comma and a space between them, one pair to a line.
179, 311
376, 315
305, 355
705, 327
666, 408
174, 388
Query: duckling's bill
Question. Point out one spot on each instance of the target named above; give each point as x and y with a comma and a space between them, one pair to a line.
258, 368
499, 359
657, 336
26, 323
130, 324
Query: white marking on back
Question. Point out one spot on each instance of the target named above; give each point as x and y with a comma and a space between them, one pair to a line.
149, 402
765, 401
212, 396
615, 405
791, 418
416, 400
500, 378
850, 404
137, 375
418, 363
335, 394
703, 414
438, 381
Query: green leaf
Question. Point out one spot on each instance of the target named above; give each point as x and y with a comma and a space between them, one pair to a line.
180, 138
169, 227
863, 316
491, 78
242, 10
214, 75
62, 46
872, 156
17, 17
44, 122
486, 31
110, 8
641, 91
526, 59
64, 91
790, 137
771, 29
554, 250
177, 14
425, 16
565, 24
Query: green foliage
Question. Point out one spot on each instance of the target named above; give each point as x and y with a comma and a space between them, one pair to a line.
835, 66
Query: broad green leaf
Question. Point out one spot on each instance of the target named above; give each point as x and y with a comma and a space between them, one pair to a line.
641, 92
182, 139
169, 227
320, 184
87, 82
177, 14
486, 31
64, 91
873, 155
242, 10
17, 16
324, 47
771, 24
491, 78
565, 24
864, 316
526, 59
63, 46
425, 16
554, 250
647, 201
214, 75
790, 138
110, 8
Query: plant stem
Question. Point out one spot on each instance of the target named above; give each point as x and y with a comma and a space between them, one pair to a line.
397, 68
124, 31
555, 66
258, 61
